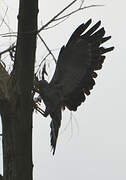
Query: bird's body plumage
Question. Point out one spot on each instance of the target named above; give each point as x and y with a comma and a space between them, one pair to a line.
74, 74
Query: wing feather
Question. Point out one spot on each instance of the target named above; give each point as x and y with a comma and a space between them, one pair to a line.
78, 61
93, 29
79, 31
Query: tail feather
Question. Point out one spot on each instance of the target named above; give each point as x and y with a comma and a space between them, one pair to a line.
55, 125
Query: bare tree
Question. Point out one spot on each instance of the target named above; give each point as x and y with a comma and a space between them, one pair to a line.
17, 101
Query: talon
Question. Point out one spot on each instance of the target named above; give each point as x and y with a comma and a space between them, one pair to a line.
37, 108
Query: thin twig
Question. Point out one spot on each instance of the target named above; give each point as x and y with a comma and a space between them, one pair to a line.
79, 9
3, 21
82, 2
56, 24
93, 5
10, 35
8, 49
47, 47
42, 62
7, 34
4, 17
53, 19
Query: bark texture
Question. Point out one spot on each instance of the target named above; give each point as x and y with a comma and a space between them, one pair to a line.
16, 107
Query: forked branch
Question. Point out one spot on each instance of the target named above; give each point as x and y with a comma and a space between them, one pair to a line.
57, 15
58, 18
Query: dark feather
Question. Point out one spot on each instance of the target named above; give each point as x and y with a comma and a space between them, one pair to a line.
105, 39
93, 29
76, 34
75, 72
55, 125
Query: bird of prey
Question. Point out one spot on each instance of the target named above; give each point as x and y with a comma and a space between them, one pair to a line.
74, 74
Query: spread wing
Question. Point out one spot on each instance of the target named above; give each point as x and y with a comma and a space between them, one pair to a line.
77, 63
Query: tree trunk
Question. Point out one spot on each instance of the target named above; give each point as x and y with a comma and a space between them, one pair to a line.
16, 108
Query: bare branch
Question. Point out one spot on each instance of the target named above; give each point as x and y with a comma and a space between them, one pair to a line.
4, 17
53, 19
3, 21
42, 62
50, 52
82, 2
8, 49
9, 34
56, 24
79, 9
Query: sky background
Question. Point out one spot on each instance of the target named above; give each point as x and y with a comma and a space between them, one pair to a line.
92, 141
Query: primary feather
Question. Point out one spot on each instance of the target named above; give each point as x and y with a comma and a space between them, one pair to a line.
74, 74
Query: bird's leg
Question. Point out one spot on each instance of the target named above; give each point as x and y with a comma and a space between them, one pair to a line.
37, 108
40, 111
46, 113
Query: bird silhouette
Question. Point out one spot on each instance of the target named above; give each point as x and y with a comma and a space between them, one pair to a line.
74, 74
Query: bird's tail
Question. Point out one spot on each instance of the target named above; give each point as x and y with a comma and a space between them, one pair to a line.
55, 125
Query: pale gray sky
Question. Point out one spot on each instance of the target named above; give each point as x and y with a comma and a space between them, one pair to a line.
92, 145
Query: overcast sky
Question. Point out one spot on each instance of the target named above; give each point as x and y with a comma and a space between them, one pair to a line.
91, 144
